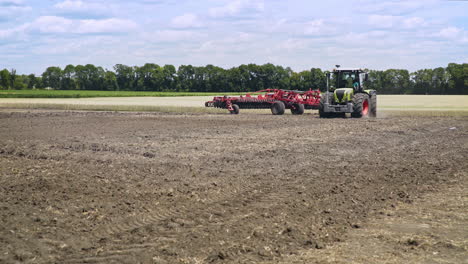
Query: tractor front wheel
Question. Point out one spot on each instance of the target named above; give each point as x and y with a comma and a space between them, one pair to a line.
278, 108
361, 105
323, 100
235, 110
298, 109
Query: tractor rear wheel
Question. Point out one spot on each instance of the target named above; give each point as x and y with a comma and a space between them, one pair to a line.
298, 109
373, 106
323, 100
235, 110
361, 105
277, 108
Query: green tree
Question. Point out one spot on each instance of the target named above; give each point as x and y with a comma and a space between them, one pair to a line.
149, 77
32, 81
5, 81
95, 77
185, 78
458, 81
396, 81
20, 82
422, 81
375, 81
306, 80
440, 81
110, 81
52, 77
169, 73
125, 77
81, 77
318, 79
69, 78
239, 79
13, 78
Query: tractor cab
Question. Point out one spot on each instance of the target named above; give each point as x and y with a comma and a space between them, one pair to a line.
347, 78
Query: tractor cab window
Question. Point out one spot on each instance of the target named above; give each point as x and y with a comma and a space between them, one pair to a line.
332, 81
362, 78
345, 79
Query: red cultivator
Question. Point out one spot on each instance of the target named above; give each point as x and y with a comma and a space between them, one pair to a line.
275, 99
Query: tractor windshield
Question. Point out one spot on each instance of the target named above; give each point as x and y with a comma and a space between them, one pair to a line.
346, 79
343, 79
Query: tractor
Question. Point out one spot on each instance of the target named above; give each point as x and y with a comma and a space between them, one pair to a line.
346, 94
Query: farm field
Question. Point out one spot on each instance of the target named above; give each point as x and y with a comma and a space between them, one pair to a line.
90, 94
133, 187
409, 103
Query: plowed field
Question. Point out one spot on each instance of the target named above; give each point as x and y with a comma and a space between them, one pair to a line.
86, 187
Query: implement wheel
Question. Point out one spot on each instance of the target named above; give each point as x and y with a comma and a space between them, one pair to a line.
361, 104
277, 108
235, 110
298, 109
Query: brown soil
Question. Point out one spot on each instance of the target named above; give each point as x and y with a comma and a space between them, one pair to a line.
86, 187
430, 230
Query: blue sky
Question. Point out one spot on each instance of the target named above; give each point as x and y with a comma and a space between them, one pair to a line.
301, 34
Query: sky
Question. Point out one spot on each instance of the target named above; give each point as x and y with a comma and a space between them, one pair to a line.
301, 34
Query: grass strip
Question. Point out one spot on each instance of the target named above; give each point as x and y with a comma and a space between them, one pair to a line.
89, 94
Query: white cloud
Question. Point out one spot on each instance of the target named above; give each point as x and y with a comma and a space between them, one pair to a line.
78, 5
61, 25
298, 29
317, 27
111, 25
186, 21
172, 35
53, 24
414, 22
453, 34
13, 9
235, 42
8, 33
83, 8
11, 2
67, 45
70, 4
450, 32
371, 38
236, 7
394, 7
292, 45
385, 21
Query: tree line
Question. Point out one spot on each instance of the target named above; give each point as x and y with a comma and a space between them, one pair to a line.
452, 79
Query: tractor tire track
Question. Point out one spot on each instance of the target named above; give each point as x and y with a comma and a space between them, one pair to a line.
260, 195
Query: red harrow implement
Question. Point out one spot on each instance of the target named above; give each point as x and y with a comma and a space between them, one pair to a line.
275, 99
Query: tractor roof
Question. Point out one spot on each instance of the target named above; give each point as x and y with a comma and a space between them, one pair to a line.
348, 70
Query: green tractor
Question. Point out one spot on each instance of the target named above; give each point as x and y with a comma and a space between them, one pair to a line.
346, 94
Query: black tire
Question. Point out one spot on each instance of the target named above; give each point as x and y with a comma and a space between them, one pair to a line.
323, 100
278, 108
298, 110
235, 110
360, 105
373, 106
